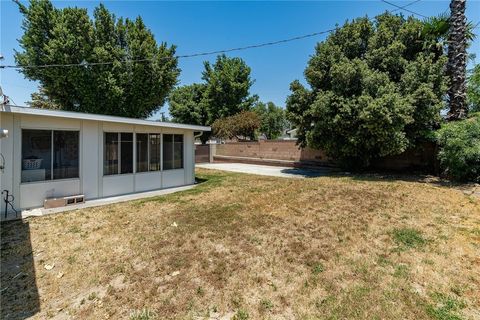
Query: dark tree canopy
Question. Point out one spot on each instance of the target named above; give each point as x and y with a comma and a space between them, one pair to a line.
241, 126
272, 119
228, 85
69, 36
225, 92
187, 105
375, 90
41, 100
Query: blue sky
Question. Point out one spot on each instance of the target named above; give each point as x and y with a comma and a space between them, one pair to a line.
207, 26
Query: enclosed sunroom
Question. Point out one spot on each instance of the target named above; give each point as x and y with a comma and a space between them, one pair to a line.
51, 154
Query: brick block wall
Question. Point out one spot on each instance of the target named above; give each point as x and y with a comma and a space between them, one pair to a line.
423, 158
271, 149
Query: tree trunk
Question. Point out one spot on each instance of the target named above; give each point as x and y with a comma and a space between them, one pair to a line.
457, 61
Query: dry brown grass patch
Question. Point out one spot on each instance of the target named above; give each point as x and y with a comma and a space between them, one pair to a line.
330, 247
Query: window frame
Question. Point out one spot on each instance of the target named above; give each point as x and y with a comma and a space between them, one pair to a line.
52, 141
149, 152
119, 150
160, 146
173, 151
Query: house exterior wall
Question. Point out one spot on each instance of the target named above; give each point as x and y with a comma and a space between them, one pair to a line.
91, 182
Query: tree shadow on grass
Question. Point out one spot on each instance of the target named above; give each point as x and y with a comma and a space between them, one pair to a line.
308, 172
406, 176
19, 297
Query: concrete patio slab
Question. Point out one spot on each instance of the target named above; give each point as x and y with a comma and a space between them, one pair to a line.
94, 203
274, 171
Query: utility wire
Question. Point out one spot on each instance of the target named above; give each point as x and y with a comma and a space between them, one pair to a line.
403, 8
87, 64
11, 100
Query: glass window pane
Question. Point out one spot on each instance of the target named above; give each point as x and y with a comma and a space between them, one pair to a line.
142, 152
65, 154
167, 151
178, 151
126, 152
36, 155
155, 144
110, 151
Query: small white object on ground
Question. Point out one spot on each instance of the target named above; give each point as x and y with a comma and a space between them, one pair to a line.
174, 224
175, 273
49, 266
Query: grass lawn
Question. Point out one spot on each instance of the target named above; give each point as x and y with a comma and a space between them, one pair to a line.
252, 247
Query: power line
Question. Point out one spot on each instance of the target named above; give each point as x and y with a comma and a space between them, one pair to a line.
403, 8
265, 44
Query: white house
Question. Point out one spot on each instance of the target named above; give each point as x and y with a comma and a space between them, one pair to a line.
51, 153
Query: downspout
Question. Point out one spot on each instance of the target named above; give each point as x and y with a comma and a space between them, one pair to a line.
195, 136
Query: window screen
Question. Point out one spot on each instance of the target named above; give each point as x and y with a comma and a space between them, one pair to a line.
36, 155
178, 151
172, 151
142, 152
126, 152
111, 153
50, 154
65, 154
118, 153
155, 145
167, 151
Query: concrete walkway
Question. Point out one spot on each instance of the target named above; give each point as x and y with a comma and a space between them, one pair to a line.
274, 171
94, 203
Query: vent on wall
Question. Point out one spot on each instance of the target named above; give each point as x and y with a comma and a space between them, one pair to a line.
63, 201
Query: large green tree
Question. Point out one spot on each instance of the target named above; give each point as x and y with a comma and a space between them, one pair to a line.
69, 36
376, 90
228, 85
41, 100
224, 92
187, 104
272, 119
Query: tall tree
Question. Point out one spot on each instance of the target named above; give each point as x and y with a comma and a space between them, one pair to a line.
228, 85
70, 36
41, 100
375, 91
457, 61
187, 105
272, 119
224, 92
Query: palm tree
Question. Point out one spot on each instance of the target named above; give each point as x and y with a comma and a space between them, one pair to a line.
457, 61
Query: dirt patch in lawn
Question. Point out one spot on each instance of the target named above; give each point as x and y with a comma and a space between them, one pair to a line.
247, 246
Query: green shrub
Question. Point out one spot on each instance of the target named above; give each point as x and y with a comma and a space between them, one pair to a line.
241, 126
459, 153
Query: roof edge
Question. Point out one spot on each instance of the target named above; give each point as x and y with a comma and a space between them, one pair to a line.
98, 117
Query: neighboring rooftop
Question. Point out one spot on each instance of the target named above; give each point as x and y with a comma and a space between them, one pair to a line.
98, 117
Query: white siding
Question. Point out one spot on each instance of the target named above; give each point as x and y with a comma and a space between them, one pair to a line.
89, 170
32, 194
6, 147
118, 184
145, 181
92, 183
